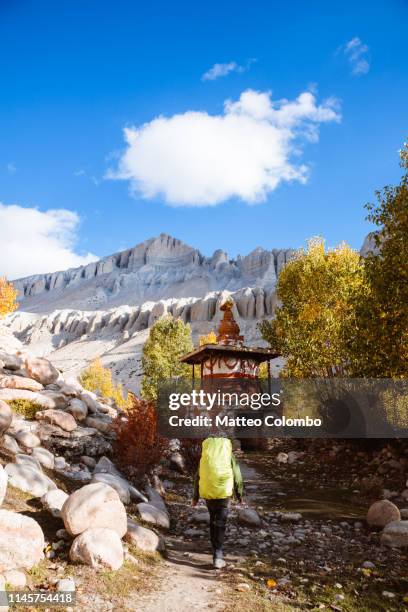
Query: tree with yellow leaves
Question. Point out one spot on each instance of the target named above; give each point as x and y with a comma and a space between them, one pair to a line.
8, 295
316, 290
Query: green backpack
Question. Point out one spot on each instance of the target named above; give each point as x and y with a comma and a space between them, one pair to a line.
216, 478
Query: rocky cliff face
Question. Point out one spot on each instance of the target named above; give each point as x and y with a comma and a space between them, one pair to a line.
159, 268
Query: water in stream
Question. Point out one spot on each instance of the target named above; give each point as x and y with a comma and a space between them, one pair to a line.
265, 487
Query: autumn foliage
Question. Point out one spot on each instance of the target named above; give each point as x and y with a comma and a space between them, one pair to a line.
98, 379
8, 295
138, 447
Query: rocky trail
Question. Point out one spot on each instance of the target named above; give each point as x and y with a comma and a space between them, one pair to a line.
299, 545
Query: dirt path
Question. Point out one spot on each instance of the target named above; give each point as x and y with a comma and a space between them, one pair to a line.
188, 582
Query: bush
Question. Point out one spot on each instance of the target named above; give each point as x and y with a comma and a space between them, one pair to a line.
98, 379
138, 447
26, 408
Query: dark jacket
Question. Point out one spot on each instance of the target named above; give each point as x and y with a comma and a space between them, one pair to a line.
238, 482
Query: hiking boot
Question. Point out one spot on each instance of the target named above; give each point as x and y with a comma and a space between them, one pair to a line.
219, 563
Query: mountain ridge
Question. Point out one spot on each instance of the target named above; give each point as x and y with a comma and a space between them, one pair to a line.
161, 267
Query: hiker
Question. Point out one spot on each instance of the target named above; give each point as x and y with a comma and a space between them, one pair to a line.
218, 478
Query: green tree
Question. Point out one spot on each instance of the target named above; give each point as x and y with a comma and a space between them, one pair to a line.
316, 290
379, 340
98, 379
169, 339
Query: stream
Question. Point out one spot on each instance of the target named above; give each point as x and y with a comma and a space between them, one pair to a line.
265, 487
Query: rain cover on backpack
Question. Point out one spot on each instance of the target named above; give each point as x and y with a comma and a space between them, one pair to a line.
216, 479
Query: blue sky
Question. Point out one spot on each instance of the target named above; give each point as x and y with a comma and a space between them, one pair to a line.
75, 73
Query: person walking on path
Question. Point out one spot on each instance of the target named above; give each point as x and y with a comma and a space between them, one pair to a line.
218, 479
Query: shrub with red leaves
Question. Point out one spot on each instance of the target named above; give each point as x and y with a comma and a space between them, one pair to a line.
138, 447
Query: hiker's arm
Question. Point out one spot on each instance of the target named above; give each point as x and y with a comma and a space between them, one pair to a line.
238, 482
196, 494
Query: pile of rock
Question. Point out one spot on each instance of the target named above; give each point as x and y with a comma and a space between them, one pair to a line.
386, 515
79, 424
71, 420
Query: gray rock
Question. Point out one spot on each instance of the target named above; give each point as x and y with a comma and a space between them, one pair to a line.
94, 505
29, 479
57, 417
16, 579
3, 484
395, 534
88, 461
9, 444
143, 538
41, 370
53, 501
22, 459
66, 584
22, 541
11, 362
27, 439
120, 485
98, 547
44, 457
78, 409
20, 382
248, 516
6, 416
151, 514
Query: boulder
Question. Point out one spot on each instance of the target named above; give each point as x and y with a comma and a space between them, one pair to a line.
88, 461
120, 485
66, 584
20, 382
57, 417
27, 439
395, 534
11, 362
102, 424
382, 512
41, 370
107, 466
22, 459
22, 541
59, 399
54, 500
28, 479
94, 505
3, 484
8, 395
9, 444
98, 547
155, 499
91, 400
78, 409
248, 516
44, 457
6, 416
143, 538
151, 514
16, 579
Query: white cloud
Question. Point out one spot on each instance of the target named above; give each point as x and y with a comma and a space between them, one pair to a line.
357, 54
197, 159
220, 70
35, 242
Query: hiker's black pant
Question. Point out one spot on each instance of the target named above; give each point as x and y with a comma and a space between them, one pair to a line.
218, 509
